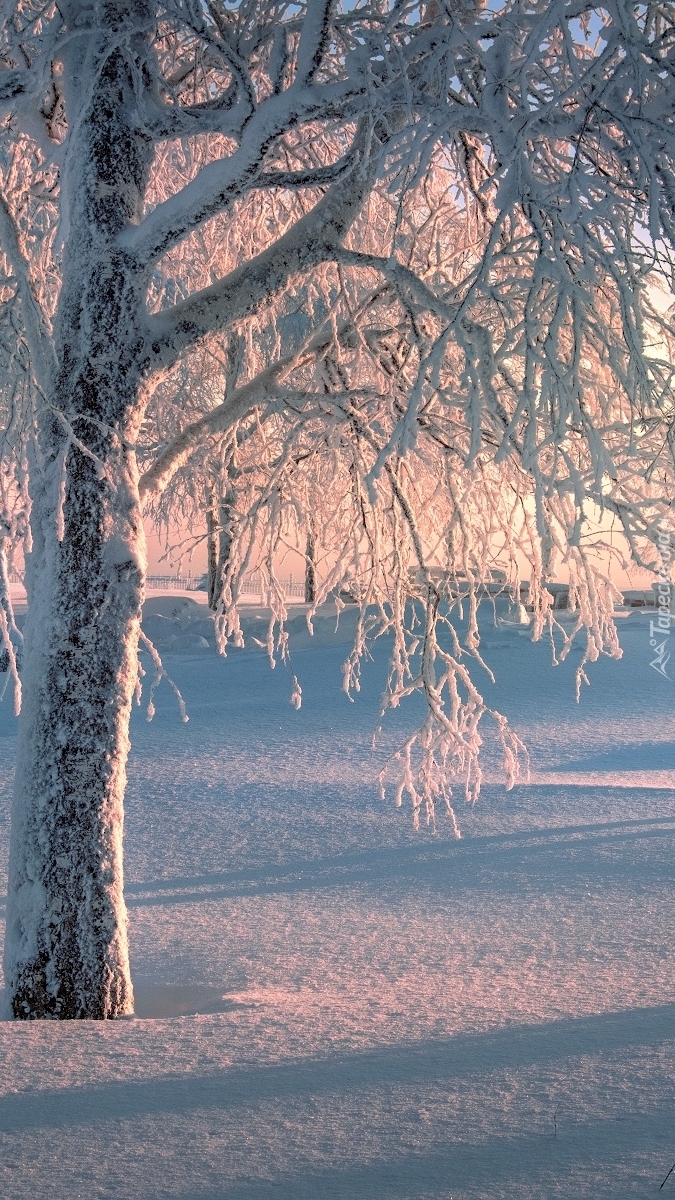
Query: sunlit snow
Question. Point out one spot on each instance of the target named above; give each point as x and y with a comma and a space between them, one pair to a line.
332, 1005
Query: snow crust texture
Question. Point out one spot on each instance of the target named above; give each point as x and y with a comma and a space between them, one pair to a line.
328, 1003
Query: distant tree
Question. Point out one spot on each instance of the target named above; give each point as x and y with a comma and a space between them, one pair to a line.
431, 231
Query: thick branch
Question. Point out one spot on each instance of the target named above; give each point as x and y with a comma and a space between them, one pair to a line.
408, 285
315, 238
311, 177
164, 121
265, 387
314, 38
220, 183
260, 390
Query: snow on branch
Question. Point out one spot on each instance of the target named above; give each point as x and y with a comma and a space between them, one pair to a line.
373, 284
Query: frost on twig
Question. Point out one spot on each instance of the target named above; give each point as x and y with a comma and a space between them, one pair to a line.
485, 503
461, 382
160, 674
446, 747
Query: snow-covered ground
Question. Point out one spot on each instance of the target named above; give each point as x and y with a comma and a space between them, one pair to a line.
330, 1005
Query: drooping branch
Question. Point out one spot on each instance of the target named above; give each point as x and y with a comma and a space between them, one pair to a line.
466, 291
261, 390
37, 333
264, 390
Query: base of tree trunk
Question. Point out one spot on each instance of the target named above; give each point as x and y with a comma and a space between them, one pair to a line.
32, 1001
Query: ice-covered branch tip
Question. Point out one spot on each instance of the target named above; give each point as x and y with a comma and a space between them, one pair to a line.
160, 674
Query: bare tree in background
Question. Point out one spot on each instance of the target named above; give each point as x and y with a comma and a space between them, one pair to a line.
173, 174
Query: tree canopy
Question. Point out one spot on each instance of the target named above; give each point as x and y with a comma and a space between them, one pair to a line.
377, 280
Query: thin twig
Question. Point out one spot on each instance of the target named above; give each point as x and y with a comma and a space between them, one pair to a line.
668, 1176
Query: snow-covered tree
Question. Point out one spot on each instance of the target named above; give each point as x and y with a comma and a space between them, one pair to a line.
422, 241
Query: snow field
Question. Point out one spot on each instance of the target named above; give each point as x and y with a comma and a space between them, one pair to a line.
331, 1005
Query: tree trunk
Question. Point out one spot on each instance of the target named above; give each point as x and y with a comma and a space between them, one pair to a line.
219, 543
212, 554
66, 949
310, 565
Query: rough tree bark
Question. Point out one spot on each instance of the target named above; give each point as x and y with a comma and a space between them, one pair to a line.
66, 953
66, 949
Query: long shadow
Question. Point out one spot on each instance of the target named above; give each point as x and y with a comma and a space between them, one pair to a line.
561, 850
434, 1062
409, 852
571, 875
630, 756
523, 1160
570, 852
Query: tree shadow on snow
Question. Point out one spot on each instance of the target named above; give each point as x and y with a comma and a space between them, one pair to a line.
499, 861
631, 756
570, 852
523, 1160
436, 1062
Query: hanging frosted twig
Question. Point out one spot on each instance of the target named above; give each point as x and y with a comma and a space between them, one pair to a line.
160, 674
